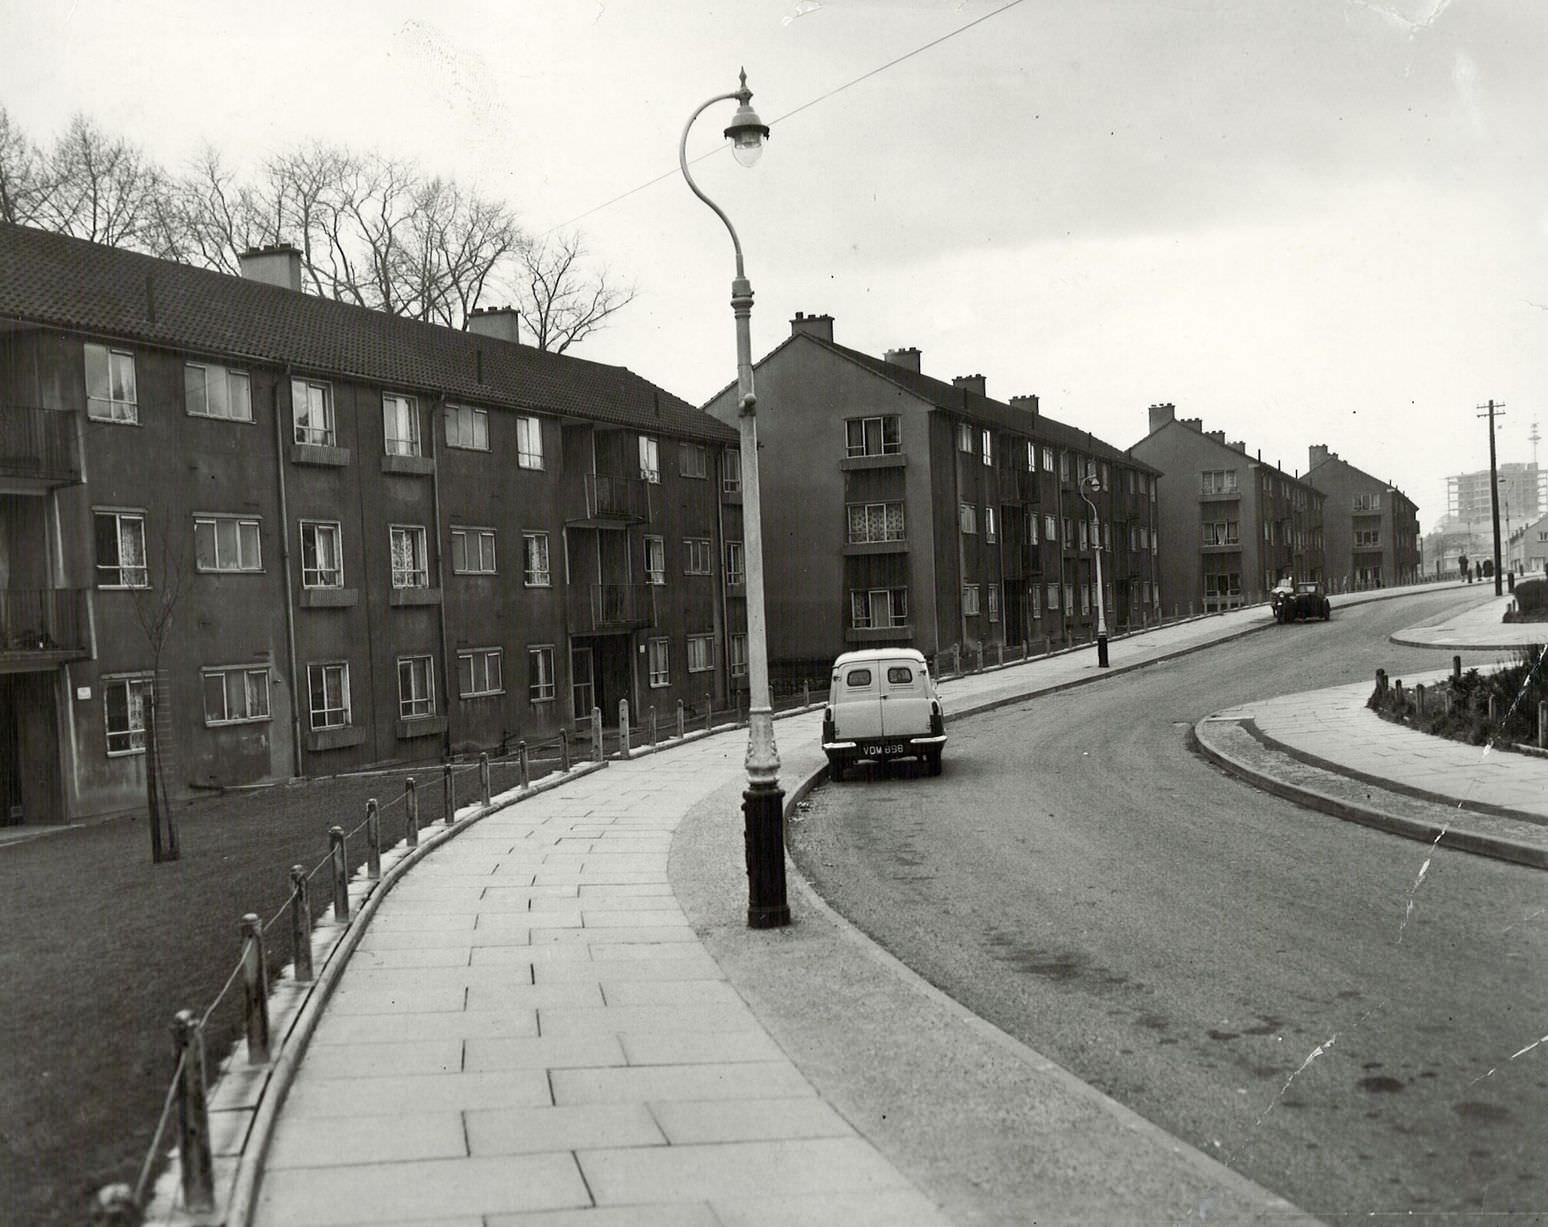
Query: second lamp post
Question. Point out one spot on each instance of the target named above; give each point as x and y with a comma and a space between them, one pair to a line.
1088, 485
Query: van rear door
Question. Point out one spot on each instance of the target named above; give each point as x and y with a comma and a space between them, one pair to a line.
858, 710
905, 706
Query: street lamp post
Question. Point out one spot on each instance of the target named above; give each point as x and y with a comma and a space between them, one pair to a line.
763, 801
1092, 483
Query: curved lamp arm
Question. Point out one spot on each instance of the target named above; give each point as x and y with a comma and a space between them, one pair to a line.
741, 95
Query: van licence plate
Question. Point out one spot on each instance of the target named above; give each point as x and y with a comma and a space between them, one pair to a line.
878, 751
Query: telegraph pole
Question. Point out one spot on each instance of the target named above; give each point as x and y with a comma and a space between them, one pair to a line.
1494, 492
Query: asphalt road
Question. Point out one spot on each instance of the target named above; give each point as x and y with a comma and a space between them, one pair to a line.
1272, 985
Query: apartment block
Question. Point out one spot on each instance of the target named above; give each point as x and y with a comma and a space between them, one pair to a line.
324, 537
1370, 528
1231, 524
903, 509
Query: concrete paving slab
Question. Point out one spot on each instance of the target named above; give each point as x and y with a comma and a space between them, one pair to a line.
324, 1142
748, 1120
395, 1028
659, 1083
421, 1056
619, 1020
543, 1052
674, 1215
609, 970
700, 1048
872, 1209
409, 1094
508, 1131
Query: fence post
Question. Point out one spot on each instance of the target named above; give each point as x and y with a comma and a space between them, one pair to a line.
300, 925
523, 764
653, 726
999, 653
449, 793
597, 752
193, 1115
1456, 668
1542, 725
1047, 645
483, 778
681, 728
737, 706
709, 711
411, 812
1493, 708
340, 858
373, 840
1419, 698
806, 693
564, 750
255, 990
623, 728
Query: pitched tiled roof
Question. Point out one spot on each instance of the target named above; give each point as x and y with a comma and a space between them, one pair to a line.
71, 284
984, 409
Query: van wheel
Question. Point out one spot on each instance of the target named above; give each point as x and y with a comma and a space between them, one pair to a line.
933, 762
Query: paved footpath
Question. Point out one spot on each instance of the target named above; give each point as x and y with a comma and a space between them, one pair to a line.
558, 1018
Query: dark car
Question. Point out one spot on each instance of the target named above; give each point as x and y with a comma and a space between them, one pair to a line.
1303, 600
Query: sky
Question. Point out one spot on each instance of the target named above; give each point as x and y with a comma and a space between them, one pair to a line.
1317, 221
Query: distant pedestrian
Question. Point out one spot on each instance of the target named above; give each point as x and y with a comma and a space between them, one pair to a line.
1462, 564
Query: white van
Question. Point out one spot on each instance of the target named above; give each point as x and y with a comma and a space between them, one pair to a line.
882, 704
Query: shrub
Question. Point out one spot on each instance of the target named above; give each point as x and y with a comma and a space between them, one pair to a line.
1532, 596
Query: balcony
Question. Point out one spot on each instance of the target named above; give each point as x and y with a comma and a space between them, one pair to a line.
42, 628
38, 448
901, 633
606, 609
601, 501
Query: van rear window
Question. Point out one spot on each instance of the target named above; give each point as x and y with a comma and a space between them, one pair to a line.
857, 678
899, 674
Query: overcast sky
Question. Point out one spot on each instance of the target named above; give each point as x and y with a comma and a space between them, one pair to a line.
1315, 221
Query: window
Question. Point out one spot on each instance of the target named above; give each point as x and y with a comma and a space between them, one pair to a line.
1050, 529
660, 662
650, 459
211, 391
1367, 537
1084, 530
328, 686
964, 438
736, 565
968, 515
1085, 599
1031, 456
1053, 596
322, 564
479, 673
123, 701
534, 560
540, 674
473, 551
409, 566
1367, 502
1069, 532
690, 460
989, 524
1036, 594
1223, 583
739, 654
878, 608
312, 407
1218, 481
970, 599
416, 687
529, 443
226, 543
992, 595
701, 653
1221, 532
469, 428
1031, 528
731, 471
987, 451
121, 550
1064, 466
696, 556
1069, 597
235, 696
1048, 461
400, 424
875, 522
655, 560
110, 391
880, 436
1102, 472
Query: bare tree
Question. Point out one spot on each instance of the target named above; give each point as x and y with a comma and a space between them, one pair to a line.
154, 606
560, 300
208, 218
103, 189
23, 184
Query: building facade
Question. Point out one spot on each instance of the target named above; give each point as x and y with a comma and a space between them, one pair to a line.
903, 509
322, 537
1231, 525
1523, 495
1370, 528
1527, 551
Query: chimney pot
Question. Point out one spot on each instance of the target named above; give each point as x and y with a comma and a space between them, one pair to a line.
819, 326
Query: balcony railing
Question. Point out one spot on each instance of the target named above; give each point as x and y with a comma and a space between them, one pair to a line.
623, 500
39, 445
608, 608
41, 627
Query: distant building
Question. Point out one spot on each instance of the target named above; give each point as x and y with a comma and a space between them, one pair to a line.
1527, 552
1523, 496
1370, 528
903, 509
376, 540
1231, 525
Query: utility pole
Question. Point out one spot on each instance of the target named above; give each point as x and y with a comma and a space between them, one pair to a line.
1494, 492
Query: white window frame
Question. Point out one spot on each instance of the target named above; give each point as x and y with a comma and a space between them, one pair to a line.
739, 654
1053, 597
970, 600
986, 436
696, 556
319, 530
536, 572
659, 662
303, 428
117, 397
210, 375
967, 516
131, 737
731, 471
1050, 527
989, 525
542, 686
736, 564
878, 608
471, 535
248, 530
965, 437
139, 573
1048, 459
322, 671
655, 560
650, 459
529, 443
418, 701
486, 665
863, 444
255, 694
417, 575
1219, 481
692, 460
867, 514
400, 424
701, 653
468, 428
992, 601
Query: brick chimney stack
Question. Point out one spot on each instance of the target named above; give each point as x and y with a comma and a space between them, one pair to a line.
908, 358
502, 323
1160, 415
279, 264
819, 326
973, 383
1317, 453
